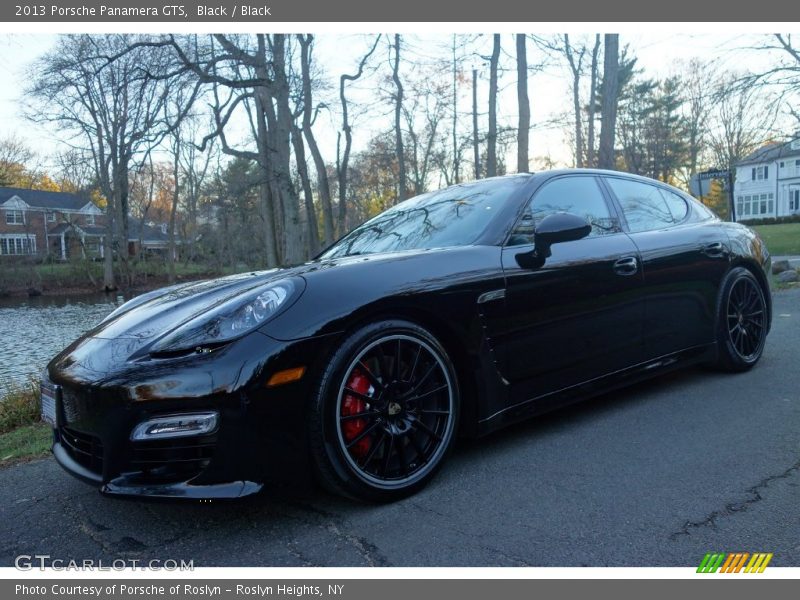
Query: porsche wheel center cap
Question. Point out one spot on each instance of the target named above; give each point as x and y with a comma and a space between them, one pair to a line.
394, 408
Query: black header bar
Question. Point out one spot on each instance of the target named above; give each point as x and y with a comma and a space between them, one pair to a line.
363, 11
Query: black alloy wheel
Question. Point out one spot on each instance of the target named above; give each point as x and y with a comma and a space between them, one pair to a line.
743, 321
389, 405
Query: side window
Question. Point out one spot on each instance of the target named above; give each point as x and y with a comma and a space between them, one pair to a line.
677, 205
644, 206
577, 195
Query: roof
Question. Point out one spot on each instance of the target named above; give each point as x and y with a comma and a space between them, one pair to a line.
772, 152
59, 229
44, 199
148, 233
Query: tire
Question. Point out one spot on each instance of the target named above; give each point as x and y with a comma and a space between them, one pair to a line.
384, 416
741, 321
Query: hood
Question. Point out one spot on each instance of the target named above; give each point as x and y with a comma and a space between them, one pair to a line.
158, 312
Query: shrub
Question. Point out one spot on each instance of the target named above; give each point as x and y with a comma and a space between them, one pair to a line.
20, 404
771, 220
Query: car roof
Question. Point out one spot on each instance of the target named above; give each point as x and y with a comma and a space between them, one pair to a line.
551, 173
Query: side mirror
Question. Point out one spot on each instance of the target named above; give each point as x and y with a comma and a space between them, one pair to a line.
556, 228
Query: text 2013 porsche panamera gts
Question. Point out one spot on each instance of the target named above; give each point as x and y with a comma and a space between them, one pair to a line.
454, 313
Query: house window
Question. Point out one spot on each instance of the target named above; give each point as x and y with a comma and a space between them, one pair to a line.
762, 173
782, 164
90, 219
794, 200
756, 205
15, 217
17, 244
51, 217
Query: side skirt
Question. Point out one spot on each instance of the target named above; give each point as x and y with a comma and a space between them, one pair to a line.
595, 387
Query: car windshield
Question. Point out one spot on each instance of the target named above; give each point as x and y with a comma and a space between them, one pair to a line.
455, 216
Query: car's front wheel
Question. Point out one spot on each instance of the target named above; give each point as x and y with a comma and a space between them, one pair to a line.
385, 414
742, 321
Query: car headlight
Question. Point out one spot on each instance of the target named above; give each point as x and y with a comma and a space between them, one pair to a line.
232, 319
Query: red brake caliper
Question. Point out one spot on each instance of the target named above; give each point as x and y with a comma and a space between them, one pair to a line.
353, 405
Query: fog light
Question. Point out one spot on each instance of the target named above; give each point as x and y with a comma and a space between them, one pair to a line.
175, 426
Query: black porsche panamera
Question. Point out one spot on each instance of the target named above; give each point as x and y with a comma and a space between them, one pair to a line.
454, 313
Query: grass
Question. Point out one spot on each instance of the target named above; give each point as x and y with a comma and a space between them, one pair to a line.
781, 239
20, 275
24, 443
22, 434
20, 404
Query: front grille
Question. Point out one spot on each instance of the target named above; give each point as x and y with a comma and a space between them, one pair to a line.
85, 449
182, 456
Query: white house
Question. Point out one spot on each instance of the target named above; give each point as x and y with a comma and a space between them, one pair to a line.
768, 182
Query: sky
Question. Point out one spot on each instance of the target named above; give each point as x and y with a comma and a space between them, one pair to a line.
659, 53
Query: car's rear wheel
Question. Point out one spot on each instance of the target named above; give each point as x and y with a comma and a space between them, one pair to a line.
385, 415
742, 321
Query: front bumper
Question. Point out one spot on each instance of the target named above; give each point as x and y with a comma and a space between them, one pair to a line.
260, 436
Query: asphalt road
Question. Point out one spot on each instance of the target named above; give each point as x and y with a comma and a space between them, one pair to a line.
656, 475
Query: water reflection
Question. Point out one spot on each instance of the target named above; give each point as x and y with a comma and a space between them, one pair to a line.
33, 330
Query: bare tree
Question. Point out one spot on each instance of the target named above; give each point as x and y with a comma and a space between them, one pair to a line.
590, 141
456, 149
575, 57
428, 104
398, 114
475, 148
523, 129
491, 136
344, 162
195, 164
606, 158
697, 106
256, 77
742, 120
309, 112
110, 99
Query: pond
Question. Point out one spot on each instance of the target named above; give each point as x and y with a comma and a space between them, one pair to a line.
33, 330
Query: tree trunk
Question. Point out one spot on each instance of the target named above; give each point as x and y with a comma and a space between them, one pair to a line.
523, 130
475, 148
398, 132
456, 158
108, 252
590, 153
576, 68
608, 114
491, 137
322, 172
263, 104
173, 212
279, 143
308, 196
348, 138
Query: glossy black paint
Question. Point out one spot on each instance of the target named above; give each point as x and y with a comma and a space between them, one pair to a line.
599, 312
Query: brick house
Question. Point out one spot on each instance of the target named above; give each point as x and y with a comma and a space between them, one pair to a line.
55, 224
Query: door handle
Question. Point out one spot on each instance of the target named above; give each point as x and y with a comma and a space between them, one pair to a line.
714, 250
626, 266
